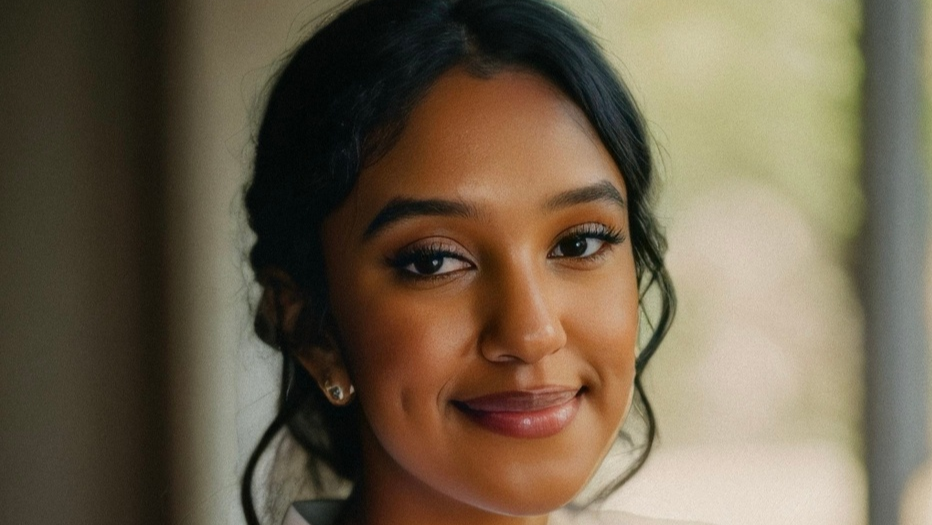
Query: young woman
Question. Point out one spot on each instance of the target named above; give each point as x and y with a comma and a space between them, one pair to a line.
453, 236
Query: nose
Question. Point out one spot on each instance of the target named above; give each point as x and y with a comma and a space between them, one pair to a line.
523, 317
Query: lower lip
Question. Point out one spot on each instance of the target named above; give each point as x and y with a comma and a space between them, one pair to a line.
535, 424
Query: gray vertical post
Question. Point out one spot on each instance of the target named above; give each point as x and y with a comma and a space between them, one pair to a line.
893, 253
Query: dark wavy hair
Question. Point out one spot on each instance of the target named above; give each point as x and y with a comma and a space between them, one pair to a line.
341, 101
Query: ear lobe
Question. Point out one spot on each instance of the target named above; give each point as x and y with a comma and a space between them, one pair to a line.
325, 364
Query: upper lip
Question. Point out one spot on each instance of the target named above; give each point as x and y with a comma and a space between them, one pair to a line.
520, 400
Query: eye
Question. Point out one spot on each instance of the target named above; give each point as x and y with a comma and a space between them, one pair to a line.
577, 246
429, 261
586, 241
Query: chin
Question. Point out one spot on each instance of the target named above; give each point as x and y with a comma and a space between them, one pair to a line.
528, 498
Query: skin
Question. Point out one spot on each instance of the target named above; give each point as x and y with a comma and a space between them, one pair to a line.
516, 304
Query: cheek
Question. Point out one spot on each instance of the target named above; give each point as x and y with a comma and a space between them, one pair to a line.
402, 351
605, 313
604, 324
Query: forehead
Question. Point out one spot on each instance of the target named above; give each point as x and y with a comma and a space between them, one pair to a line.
504, 138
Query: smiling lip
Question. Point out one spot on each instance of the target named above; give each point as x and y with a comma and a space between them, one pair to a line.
524, 414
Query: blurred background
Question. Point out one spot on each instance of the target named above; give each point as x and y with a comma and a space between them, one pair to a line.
132, 389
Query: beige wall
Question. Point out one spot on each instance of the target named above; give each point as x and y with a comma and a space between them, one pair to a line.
131, 388
223, 382
81, 345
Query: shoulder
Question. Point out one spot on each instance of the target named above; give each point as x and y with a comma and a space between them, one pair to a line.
610, 517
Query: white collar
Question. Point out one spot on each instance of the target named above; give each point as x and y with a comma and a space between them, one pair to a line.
324, 512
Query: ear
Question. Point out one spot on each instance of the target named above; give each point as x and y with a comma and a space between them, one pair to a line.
283, 309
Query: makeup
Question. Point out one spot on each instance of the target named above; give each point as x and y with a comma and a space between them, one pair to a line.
489, 320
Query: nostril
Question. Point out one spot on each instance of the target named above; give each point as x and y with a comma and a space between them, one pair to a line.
523, 322
527, 349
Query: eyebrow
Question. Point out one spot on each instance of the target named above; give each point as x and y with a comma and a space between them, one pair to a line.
600, 191
401, 208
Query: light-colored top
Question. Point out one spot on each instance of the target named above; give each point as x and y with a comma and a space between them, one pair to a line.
324, 512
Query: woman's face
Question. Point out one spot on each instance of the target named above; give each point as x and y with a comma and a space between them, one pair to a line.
483, 286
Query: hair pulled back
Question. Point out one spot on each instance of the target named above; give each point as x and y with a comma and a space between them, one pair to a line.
341, 101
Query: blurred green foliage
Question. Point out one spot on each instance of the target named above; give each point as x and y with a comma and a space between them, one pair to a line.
753, 104
750, 90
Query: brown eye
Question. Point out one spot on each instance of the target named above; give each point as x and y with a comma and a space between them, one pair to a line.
428, 264
574, 246
577, 246
429, 261
586, 241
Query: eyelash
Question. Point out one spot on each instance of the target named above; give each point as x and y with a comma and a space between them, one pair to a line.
610, 236
437, 251
419, 253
